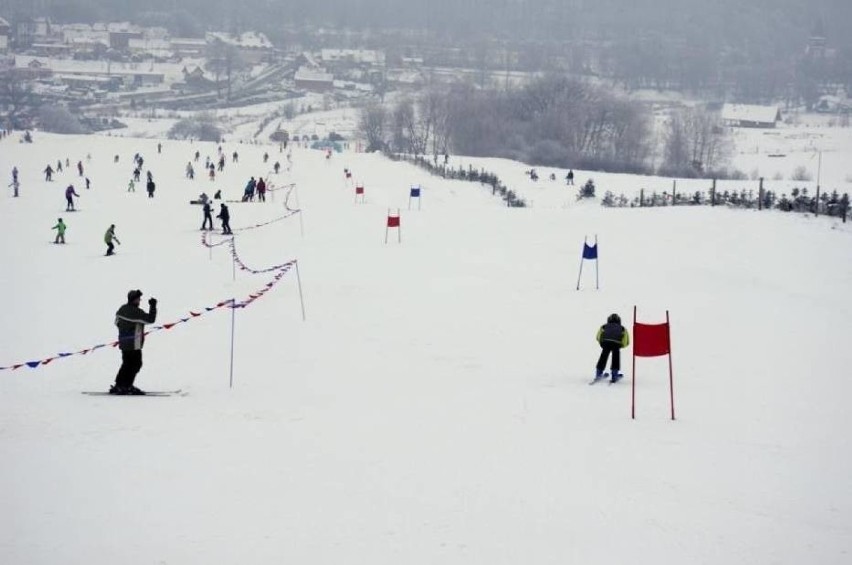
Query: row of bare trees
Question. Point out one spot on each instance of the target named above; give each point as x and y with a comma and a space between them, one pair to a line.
695, 144
554, 121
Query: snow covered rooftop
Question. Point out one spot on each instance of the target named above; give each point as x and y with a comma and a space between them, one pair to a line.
249, 39
305, 73
750, 113
363, 56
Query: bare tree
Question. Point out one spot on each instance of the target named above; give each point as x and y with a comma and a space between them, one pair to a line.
372, 126
18, 102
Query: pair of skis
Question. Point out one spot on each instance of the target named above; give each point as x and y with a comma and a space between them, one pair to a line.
605, 377
155, 393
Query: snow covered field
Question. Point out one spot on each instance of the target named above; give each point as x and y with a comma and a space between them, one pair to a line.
434, 407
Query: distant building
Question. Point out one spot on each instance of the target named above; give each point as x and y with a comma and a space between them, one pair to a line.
5, 27
188, 47
360, 57
120, 40
750, 116
314, 80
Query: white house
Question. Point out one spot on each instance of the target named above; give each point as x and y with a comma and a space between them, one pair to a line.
750, 115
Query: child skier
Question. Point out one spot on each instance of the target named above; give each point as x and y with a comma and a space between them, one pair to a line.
60, 228
612, 337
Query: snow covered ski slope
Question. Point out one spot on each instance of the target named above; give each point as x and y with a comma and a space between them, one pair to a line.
434, 407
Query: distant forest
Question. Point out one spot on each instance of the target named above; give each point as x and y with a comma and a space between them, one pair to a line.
706, 46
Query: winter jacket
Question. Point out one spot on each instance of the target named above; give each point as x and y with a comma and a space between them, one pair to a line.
224, 215
131, 320
109, 236
613, 333
69, 192
60, 227
261, 186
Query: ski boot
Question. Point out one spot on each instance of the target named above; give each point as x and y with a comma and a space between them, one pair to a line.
616, 377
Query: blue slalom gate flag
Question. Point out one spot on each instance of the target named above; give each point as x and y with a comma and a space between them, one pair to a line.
415, 192
590, 251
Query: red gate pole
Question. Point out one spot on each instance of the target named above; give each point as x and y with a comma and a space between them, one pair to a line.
633, 380
671, 373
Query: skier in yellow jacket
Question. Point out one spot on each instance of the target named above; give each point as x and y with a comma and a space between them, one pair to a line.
612, 337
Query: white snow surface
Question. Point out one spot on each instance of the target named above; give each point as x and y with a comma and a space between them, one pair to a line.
434, 406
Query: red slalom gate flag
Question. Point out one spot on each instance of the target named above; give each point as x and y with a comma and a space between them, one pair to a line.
652, 340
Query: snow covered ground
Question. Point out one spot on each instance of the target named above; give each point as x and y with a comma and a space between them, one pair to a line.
434, 407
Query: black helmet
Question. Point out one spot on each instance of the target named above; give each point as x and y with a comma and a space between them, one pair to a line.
133, 295
614, 319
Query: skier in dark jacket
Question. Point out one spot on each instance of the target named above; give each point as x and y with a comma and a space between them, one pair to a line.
151, 187
48, 173
225, 216
70, 193
261, 190
208, 216
612, 337
130, 320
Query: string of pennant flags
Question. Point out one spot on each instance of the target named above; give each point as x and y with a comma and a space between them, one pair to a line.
282, 270
279, 270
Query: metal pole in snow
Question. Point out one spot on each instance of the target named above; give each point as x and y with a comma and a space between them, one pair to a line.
233, 325
301, 297
580, 275
671, 372
633, 380
597, 264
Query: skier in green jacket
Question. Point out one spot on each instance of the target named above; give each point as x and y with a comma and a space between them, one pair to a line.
60, 228
109, 237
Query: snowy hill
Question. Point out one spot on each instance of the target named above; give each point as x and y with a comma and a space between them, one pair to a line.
434, 406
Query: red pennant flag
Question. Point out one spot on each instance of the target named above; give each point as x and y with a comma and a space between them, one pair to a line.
194, 314
168, 326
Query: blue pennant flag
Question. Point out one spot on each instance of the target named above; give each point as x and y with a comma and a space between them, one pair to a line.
590, 252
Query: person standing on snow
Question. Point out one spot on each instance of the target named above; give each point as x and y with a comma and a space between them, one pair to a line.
131, 186
130, 320
225, 216
569, 178
612, 337
48, 173
80, 168
248, 194
150, 187
60, 228
109, 237
261, 190
208, 216
70, 193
